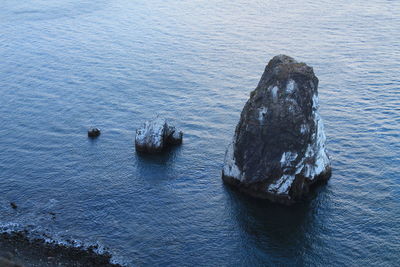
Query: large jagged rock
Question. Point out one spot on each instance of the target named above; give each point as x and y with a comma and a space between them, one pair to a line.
278, 151
155, 135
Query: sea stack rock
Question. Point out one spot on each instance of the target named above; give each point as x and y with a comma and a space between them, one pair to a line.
155, 135
278, 151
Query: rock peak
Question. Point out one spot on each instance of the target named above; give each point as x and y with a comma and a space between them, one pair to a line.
283, 67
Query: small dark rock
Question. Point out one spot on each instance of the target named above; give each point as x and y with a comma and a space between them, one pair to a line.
93, 132
13, 205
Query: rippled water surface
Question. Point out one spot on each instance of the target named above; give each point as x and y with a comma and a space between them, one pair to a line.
68, 65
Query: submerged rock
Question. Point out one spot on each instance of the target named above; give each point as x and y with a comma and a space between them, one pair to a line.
155, 135
93, 132
278, 151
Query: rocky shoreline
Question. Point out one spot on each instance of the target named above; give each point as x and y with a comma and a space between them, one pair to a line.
17, 249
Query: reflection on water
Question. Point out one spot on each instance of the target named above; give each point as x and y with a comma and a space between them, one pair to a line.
276, 228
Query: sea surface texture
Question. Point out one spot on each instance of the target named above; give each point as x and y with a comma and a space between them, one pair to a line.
71, 64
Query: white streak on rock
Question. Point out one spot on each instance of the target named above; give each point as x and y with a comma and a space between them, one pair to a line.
261, 114
303, 128
282, 185
287, 159
322, 159
274, 93
316, 150
230, 167
152, 133
315, 102
314, 162
290, 87
312, 85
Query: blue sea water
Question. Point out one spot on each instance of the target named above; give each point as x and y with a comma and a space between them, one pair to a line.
67, 65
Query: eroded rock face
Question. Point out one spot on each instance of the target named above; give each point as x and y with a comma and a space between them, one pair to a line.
278, 151
155, 135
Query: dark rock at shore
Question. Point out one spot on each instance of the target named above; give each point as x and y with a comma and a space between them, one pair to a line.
36, 252
156, 135
93, 132
278, 151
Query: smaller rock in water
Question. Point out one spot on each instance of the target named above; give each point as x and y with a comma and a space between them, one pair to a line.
13, 205
93, 132
156, 135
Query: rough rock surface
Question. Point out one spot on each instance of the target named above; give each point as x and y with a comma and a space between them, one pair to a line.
8, 263
155, 135
278, 151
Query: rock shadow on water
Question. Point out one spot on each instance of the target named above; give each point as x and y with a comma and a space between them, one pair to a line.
165, 157
157, 166
284, 234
